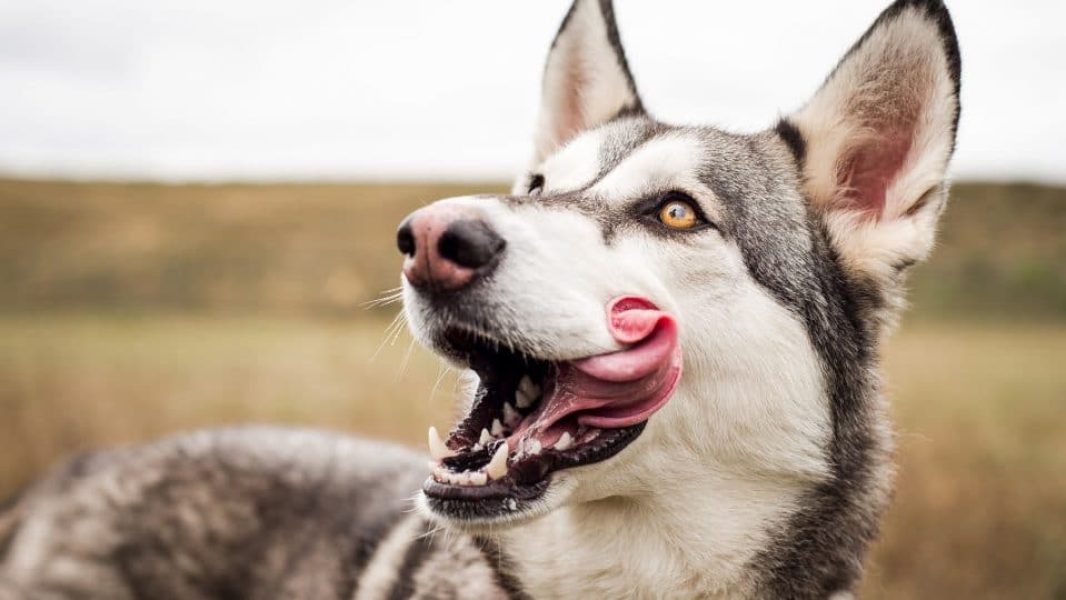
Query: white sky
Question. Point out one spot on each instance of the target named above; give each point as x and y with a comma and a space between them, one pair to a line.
300, 89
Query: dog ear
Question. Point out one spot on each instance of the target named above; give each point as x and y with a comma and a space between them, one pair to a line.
876, 139
586, 79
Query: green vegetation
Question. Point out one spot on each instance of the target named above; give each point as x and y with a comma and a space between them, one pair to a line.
131, 311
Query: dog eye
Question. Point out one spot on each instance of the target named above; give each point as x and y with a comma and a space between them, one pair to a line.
536, 184
679, 213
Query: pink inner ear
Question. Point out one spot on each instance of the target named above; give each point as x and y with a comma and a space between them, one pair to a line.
570, 116
871, 168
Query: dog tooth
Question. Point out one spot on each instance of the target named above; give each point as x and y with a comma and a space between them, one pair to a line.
534, 447
478, 478
529, 389
476, 447
486, 437
437, 448
521, 400
440, 474
564, 442
497, 428
526, 393
497, 467
510, 415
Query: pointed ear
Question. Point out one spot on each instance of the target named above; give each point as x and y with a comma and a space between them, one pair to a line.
586, 79
878, 137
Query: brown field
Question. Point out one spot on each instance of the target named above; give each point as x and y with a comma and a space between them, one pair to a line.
131, 311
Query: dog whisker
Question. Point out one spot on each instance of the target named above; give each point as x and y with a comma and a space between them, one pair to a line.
391, 331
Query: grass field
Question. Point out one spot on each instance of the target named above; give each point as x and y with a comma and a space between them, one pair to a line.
132, 311
326, 249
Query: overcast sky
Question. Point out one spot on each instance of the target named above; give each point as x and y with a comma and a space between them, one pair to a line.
300, 89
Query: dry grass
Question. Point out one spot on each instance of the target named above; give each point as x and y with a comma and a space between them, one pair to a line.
980, 508
280, 249
131, 311
75, 382
324, 249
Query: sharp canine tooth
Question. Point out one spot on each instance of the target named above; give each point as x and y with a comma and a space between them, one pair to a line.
497, 467
510, 415
565, 441
437, 448
534, 447
486, 437
497, 428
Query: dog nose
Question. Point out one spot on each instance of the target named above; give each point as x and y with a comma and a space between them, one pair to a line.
447, 247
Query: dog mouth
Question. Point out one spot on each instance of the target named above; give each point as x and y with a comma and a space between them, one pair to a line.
533, 417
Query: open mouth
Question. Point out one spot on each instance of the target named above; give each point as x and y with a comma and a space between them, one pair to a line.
532, 417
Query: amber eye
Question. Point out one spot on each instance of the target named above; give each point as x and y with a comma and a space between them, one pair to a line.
678, 214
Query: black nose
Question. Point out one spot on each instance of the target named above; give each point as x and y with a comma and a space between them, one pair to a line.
447, 247
470, 243
405, 238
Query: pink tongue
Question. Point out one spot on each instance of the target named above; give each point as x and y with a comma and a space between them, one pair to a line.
633, 321
623, 388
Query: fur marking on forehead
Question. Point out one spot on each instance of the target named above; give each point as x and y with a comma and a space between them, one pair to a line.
576, 165
670, 161
589, 157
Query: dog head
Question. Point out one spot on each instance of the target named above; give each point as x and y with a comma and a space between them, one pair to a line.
655, 302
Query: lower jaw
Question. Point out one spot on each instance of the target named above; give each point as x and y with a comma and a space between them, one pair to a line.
516, 496
497, 501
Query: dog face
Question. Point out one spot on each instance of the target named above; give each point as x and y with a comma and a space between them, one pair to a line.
656, 304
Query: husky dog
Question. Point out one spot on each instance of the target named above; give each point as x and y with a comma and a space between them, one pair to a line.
674, 335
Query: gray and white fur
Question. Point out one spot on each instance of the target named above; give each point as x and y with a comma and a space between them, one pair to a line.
764, 476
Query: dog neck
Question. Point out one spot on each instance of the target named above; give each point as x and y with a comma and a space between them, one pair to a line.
698, 540
700, 496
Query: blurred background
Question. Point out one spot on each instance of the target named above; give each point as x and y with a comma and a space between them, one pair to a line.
198, 200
